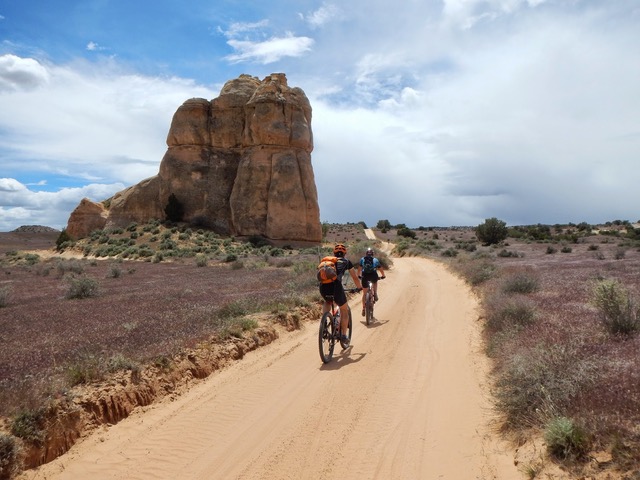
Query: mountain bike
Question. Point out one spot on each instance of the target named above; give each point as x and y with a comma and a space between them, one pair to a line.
329, 333
369, 302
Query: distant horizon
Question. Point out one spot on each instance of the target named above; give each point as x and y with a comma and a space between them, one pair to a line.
635, 224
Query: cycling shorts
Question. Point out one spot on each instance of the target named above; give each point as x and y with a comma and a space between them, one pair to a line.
336, 289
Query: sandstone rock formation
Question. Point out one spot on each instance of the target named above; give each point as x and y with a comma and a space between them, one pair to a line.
239, 164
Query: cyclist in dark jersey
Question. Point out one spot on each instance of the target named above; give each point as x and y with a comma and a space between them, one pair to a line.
336, 289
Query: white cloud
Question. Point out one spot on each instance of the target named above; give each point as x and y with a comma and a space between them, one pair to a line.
21, 206
92, 119
238, 28
322, 15
271, 50
21, 73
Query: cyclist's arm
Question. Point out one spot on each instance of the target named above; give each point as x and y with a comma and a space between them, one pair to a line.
355, 278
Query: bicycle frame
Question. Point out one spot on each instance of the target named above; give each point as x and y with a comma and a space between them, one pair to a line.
330, 331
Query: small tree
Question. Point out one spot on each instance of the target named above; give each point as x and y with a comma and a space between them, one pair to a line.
383, 225
492, 231
63, 238
174, 209
406, 232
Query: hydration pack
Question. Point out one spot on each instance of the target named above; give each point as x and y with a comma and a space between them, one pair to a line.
327, 271
367, 265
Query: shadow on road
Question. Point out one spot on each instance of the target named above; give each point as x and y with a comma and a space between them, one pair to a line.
343, 359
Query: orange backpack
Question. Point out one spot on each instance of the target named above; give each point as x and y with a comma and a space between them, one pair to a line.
327, 271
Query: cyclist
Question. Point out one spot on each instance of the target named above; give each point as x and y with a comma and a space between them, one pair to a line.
368, 272
336, 289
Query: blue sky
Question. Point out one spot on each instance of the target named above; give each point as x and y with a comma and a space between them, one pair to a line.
425, 112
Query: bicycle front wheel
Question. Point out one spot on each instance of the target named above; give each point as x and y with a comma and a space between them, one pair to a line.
326, 340
369, 308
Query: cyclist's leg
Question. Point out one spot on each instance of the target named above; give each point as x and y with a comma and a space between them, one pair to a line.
341, 300
325, 289
364, 295
374, 282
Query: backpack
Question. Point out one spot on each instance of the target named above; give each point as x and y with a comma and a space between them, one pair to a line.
327, 271
367, 265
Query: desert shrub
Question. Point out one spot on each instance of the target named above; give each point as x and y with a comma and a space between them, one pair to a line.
551, 250
82, 287
535, 382
237, 265
620, 254
476, 271
618, 311
63, 238
593, 247
201, 260
566, 249
449, 252
508, 312
520, 282
114, 271
5, 295
492, 231
29, 426
31, 258
565, 438
504, 253
406, 232
9, 457
73, 266
231, 257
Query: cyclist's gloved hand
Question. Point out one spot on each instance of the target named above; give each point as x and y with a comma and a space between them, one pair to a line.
360, 277
383, 277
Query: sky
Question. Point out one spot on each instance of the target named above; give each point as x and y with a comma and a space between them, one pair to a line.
425, 112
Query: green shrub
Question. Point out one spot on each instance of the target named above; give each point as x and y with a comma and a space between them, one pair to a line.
406, 232
9, 457
63, 238
565, 439
618, 311
82, 287
201, 260
566, 249
551, 250
114, 271
29, 426
492, 231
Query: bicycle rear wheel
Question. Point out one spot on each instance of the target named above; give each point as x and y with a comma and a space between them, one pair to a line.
326, 340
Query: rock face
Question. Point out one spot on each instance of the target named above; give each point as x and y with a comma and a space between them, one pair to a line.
239, 164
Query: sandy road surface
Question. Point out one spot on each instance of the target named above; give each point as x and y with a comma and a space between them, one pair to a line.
404, 402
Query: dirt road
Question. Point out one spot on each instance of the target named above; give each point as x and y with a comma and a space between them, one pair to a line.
406, 401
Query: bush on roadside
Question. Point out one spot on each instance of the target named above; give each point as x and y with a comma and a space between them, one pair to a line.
565, 438
29, 426
9, 457
536, 382
618, 311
